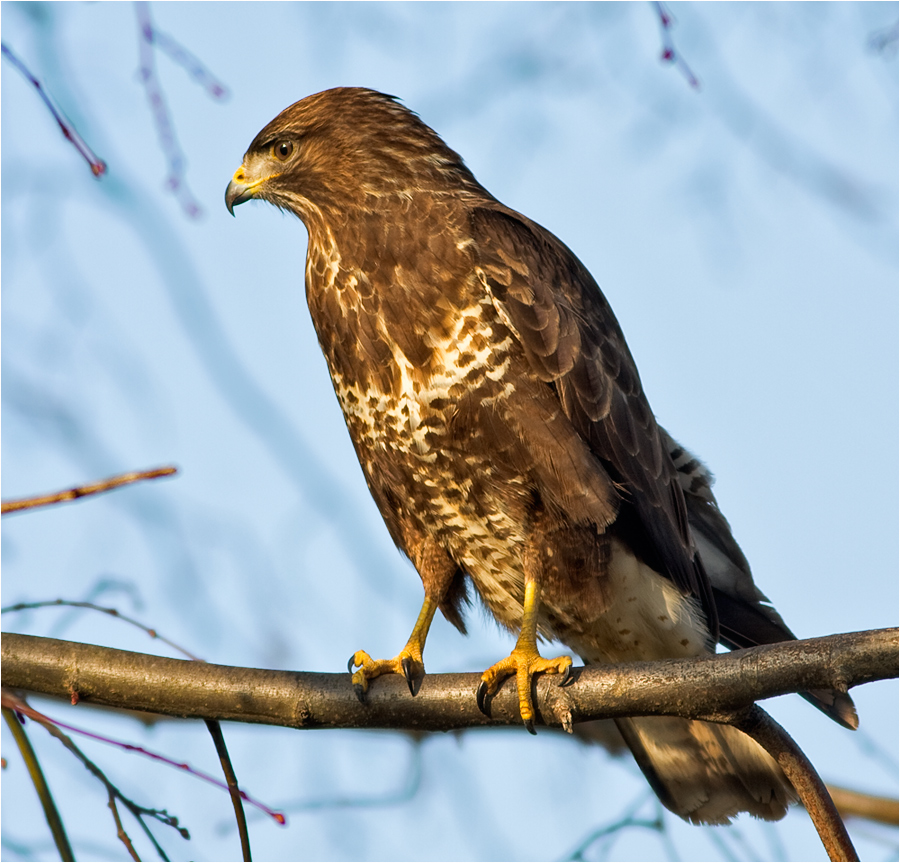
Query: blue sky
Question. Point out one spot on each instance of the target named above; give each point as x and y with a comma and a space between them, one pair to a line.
745, 234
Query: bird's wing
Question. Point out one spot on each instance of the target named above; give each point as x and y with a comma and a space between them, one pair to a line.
746, 616
573, 343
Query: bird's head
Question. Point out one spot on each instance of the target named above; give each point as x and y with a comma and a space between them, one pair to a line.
343, 150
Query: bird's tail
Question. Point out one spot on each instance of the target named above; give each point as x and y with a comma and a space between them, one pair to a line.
704, 772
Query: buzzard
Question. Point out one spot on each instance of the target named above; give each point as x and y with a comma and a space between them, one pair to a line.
503, 432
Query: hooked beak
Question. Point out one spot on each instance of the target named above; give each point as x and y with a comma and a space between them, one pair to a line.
238, 191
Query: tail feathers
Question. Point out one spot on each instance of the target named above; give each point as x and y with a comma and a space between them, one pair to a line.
746, 617
838, 705
704, 772
745, 624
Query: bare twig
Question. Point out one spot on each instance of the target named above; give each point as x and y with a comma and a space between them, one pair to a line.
176, 182
112, 612
11, 701
97, 165
406, 790
51, 813
215, 730
121, 833
54, 726
756, 723
630, 820
189, 62
102, 485
856, 804
691, 688
669, 54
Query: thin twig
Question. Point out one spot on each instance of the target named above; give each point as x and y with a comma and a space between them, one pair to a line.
857, 804
215, 730
410, 786
51, 813
120, 828
614, 829
756, 723
112, 612
190, 63
9, 699
138, 811
669, 54
176, 182
102, 485
97, 165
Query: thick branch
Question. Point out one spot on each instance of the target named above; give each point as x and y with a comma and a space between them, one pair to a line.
755, 722
690, 688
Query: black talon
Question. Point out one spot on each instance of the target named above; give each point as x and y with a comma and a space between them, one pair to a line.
567, 676
351, 663
406, 665
529, 724
360, 692
480, 696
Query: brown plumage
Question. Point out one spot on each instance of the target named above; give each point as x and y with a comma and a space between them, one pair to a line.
501, 425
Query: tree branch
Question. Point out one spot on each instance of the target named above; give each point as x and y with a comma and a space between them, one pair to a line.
51, 812
872, 807
113, 482
756, 723
694, 688
70, 133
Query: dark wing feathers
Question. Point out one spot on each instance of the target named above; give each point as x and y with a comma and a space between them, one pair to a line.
572, 340
746, 617
571, 477
590, 384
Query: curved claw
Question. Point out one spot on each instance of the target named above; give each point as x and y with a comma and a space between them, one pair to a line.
523, 663
406, 665
480, 696
567, 676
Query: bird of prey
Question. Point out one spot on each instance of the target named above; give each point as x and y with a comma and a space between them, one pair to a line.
504, 434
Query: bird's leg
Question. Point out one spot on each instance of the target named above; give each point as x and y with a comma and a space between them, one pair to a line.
437, 571
525, 661
407, 662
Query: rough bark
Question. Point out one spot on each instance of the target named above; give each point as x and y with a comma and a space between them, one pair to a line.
692, 688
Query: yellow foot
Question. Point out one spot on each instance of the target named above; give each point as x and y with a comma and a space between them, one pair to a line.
408, 663
524, 662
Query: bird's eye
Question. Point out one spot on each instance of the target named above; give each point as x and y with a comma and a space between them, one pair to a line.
283, 150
